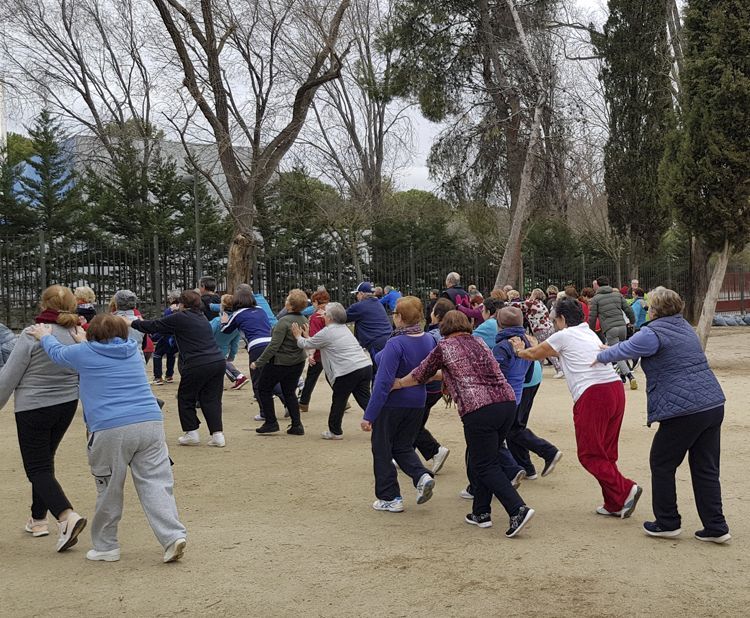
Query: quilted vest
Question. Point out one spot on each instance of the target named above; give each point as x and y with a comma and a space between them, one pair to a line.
680, 381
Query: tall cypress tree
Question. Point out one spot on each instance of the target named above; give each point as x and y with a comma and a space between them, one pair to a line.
706, 173
48, 186
637, 90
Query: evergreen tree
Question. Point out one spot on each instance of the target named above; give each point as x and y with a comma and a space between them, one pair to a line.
637, 90
48, 186
15, 216
706, 173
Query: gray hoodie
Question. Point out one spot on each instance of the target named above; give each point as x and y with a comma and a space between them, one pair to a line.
35, 379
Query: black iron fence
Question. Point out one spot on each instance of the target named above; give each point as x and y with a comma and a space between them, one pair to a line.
153, 269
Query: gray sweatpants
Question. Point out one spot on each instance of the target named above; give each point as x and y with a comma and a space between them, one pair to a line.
614, 336
141, 446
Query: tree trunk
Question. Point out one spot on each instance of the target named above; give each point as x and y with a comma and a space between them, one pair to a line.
618, 272
714, 289
511, 262
697, 284
240, 262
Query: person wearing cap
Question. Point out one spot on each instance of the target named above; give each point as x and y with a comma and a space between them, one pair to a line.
371, 324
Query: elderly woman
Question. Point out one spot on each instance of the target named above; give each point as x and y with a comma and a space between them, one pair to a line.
599, 403
395, 416
45, 397
282, 363
487, 407
347, 366
201, 364
686, 400
126, 430
538, 317
314, 367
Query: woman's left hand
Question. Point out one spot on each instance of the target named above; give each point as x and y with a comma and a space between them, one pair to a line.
366, 426
518, 344
78, 334
39, 330
253, 366
296, 331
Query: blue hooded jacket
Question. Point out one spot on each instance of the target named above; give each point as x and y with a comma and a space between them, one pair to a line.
113, 385
514, 369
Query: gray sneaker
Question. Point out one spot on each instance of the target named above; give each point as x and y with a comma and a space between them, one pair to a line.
425, 485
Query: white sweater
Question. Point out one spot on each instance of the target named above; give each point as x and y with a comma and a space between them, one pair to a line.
340, 351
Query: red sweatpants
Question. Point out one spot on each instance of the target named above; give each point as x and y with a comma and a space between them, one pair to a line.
597, 416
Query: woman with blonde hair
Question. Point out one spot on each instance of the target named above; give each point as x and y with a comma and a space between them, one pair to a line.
45, 397
395, 416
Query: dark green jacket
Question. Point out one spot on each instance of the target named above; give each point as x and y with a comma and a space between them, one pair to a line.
283, 348
608, 305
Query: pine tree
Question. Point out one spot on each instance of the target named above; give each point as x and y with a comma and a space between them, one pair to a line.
637, 90
15, 216
706, 173
48, 186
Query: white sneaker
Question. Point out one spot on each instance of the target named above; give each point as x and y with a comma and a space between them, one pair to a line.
425, 485
37, 527
558, 375
518, 478
69, 531
327, 435
175, 551
217, 439
113, 555
465, 495
600, 510
259, 418
394, 506
439, 459
191, 438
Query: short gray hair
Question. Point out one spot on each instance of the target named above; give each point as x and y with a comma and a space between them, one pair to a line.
664, 302
336, 312
125, 300
452, 279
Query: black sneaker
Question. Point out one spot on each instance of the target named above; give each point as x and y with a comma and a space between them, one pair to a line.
549, 464
482, 521
654, 529
296, 430
519, 520
268, 428
712, 537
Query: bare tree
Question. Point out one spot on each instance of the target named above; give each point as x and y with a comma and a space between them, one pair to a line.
84, 59
240, 61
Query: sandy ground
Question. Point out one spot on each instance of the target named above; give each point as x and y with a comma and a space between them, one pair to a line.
282, 526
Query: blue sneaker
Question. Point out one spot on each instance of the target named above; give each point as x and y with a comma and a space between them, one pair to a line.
653, 529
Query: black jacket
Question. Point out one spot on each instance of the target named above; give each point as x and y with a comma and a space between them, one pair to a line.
192, 334
207, 299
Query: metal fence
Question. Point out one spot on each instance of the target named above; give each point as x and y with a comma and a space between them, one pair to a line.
153, 269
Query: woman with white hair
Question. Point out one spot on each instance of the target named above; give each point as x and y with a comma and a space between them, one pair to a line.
347, 366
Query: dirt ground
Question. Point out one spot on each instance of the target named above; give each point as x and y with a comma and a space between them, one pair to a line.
282, 526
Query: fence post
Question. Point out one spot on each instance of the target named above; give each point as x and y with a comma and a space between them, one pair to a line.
742, 290
156, 265
412, 270
583, 271
42, 260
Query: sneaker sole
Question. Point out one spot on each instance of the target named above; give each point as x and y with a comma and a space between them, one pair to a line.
524, 523
103, 558
179, 552
215, 445
439, 465
426, 492
627, 511
188, 443
486, 524
664, 534
237, 388
77, 529
555, 460
714, 539
388, 510
518, 479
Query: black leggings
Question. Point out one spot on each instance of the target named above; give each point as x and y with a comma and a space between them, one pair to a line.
356, 383
425, 442
40, 432
203, 384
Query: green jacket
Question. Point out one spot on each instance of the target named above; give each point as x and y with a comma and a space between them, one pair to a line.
608, 305
283, 349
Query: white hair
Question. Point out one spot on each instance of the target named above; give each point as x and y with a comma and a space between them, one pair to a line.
452, 279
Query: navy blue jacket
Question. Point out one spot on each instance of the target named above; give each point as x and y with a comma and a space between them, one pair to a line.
680, 382
371, 324
514, 369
